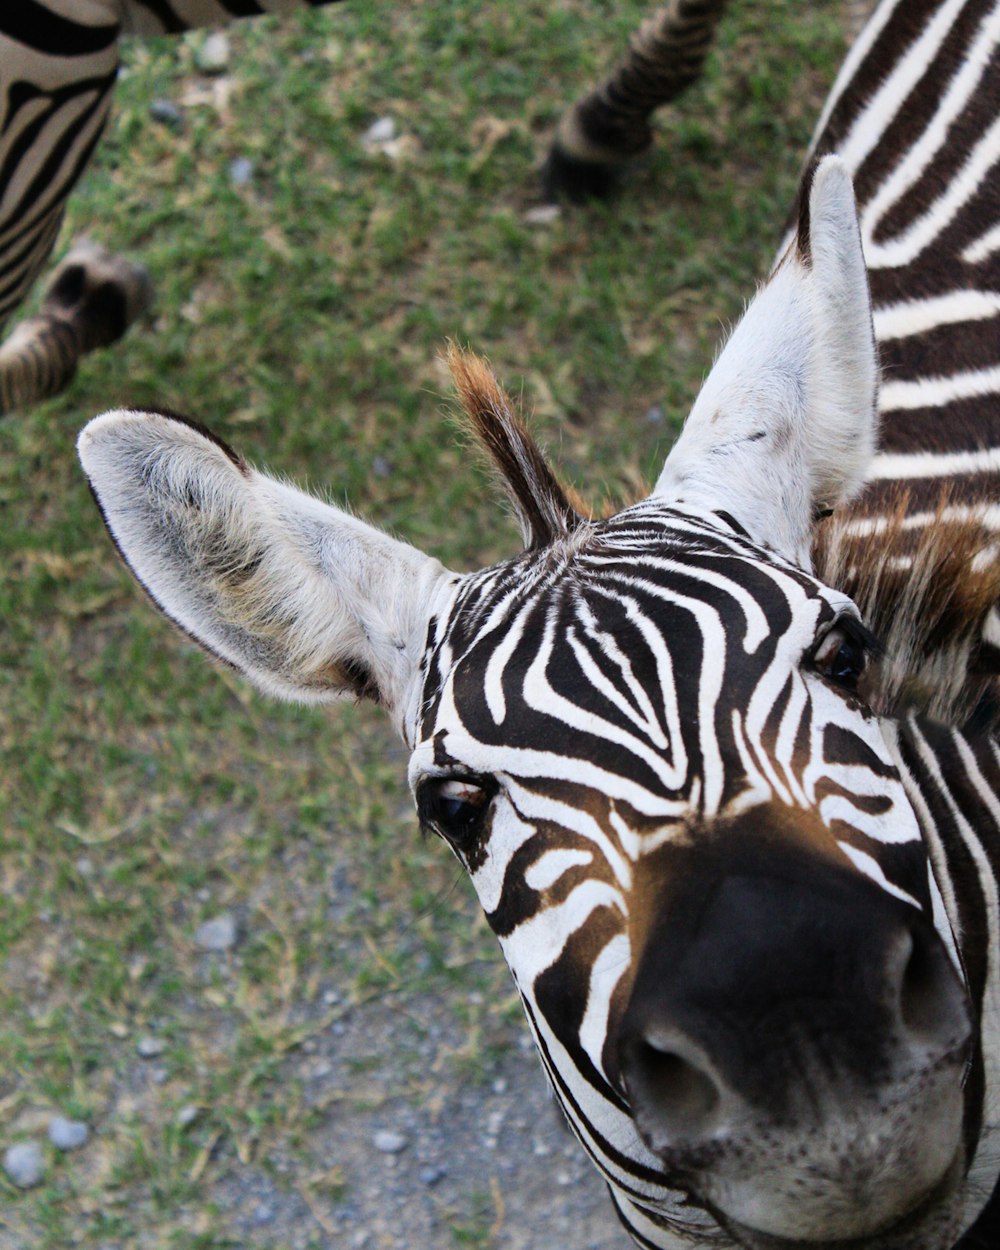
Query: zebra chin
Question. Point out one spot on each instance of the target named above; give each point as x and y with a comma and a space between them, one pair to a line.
933, 1224
794, 1048
829, 1212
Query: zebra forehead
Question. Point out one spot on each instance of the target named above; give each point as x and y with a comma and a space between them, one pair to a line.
648, 553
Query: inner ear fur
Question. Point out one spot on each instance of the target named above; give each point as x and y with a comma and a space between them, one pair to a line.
308, 601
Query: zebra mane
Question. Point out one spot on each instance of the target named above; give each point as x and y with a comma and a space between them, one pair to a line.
926, 594
545, 511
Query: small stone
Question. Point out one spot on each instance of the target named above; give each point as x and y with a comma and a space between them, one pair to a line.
262, 1214
160, 1076
540, 1149
213, 55
166, 113
389, 1143
217, 934
331, 998
149, 1047
381, 467
654, 415
500, 1085
67, 1134
543, 215
188, 1114
241, 171
431, 1176
380, 132
24, 1164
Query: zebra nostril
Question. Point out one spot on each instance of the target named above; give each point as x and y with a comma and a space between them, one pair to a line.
932, 1006
673, 1096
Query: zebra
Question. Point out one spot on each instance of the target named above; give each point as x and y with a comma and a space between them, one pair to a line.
58, 64
744, 868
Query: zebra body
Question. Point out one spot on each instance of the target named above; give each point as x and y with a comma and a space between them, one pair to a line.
746, 888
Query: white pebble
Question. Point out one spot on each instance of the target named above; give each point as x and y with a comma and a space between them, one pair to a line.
24, 1164
67, 1134
217, 934
382, 131
187, 1115
389, 1143
543, 215
149, 1047
241, 171
213, 55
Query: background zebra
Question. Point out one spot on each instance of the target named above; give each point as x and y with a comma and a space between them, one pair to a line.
58, 65
734, 902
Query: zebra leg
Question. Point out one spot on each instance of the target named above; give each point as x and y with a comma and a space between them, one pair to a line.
607, 128
92, 299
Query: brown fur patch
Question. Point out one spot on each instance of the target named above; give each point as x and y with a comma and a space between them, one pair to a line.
925, 592
542, 506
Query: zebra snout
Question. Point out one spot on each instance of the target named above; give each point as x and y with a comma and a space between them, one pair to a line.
797, 1033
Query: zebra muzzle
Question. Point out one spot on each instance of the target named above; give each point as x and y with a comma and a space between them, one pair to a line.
794, 1046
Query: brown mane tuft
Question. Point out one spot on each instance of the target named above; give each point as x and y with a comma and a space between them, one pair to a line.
925, 591
545, 512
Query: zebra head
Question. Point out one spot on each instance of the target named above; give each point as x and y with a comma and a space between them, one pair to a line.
647, 741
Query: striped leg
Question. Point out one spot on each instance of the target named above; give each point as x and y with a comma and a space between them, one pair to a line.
93, 298
56, 77
604, 130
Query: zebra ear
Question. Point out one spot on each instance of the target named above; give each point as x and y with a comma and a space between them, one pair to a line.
308, 602
785, 425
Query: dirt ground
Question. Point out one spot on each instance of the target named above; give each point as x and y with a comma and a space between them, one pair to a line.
483, 1165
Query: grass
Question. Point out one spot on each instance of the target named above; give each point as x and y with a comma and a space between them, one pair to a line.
301, 314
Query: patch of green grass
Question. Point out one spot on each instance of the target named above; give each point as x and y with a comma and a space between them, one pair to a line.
302, 315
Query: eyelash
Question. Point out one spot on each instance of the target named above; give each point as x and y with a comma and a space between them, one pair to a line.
859, 644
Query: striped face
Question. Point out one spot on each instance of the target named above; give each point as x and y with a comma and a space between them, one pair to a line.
643, 742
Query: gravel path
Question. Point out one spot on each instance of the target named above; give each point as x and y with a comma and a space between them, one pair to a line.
487, 1163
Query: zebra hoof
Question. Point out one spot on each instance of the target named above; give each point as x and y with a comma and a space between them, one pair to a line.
99, 292
567, 177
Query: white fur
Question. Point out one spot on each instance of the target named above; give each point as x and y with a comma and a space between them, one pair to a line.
313, 586
786, 422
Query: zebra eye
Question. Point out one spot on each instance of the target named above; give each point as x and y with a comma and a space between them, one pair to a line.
842, 653
455, 807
